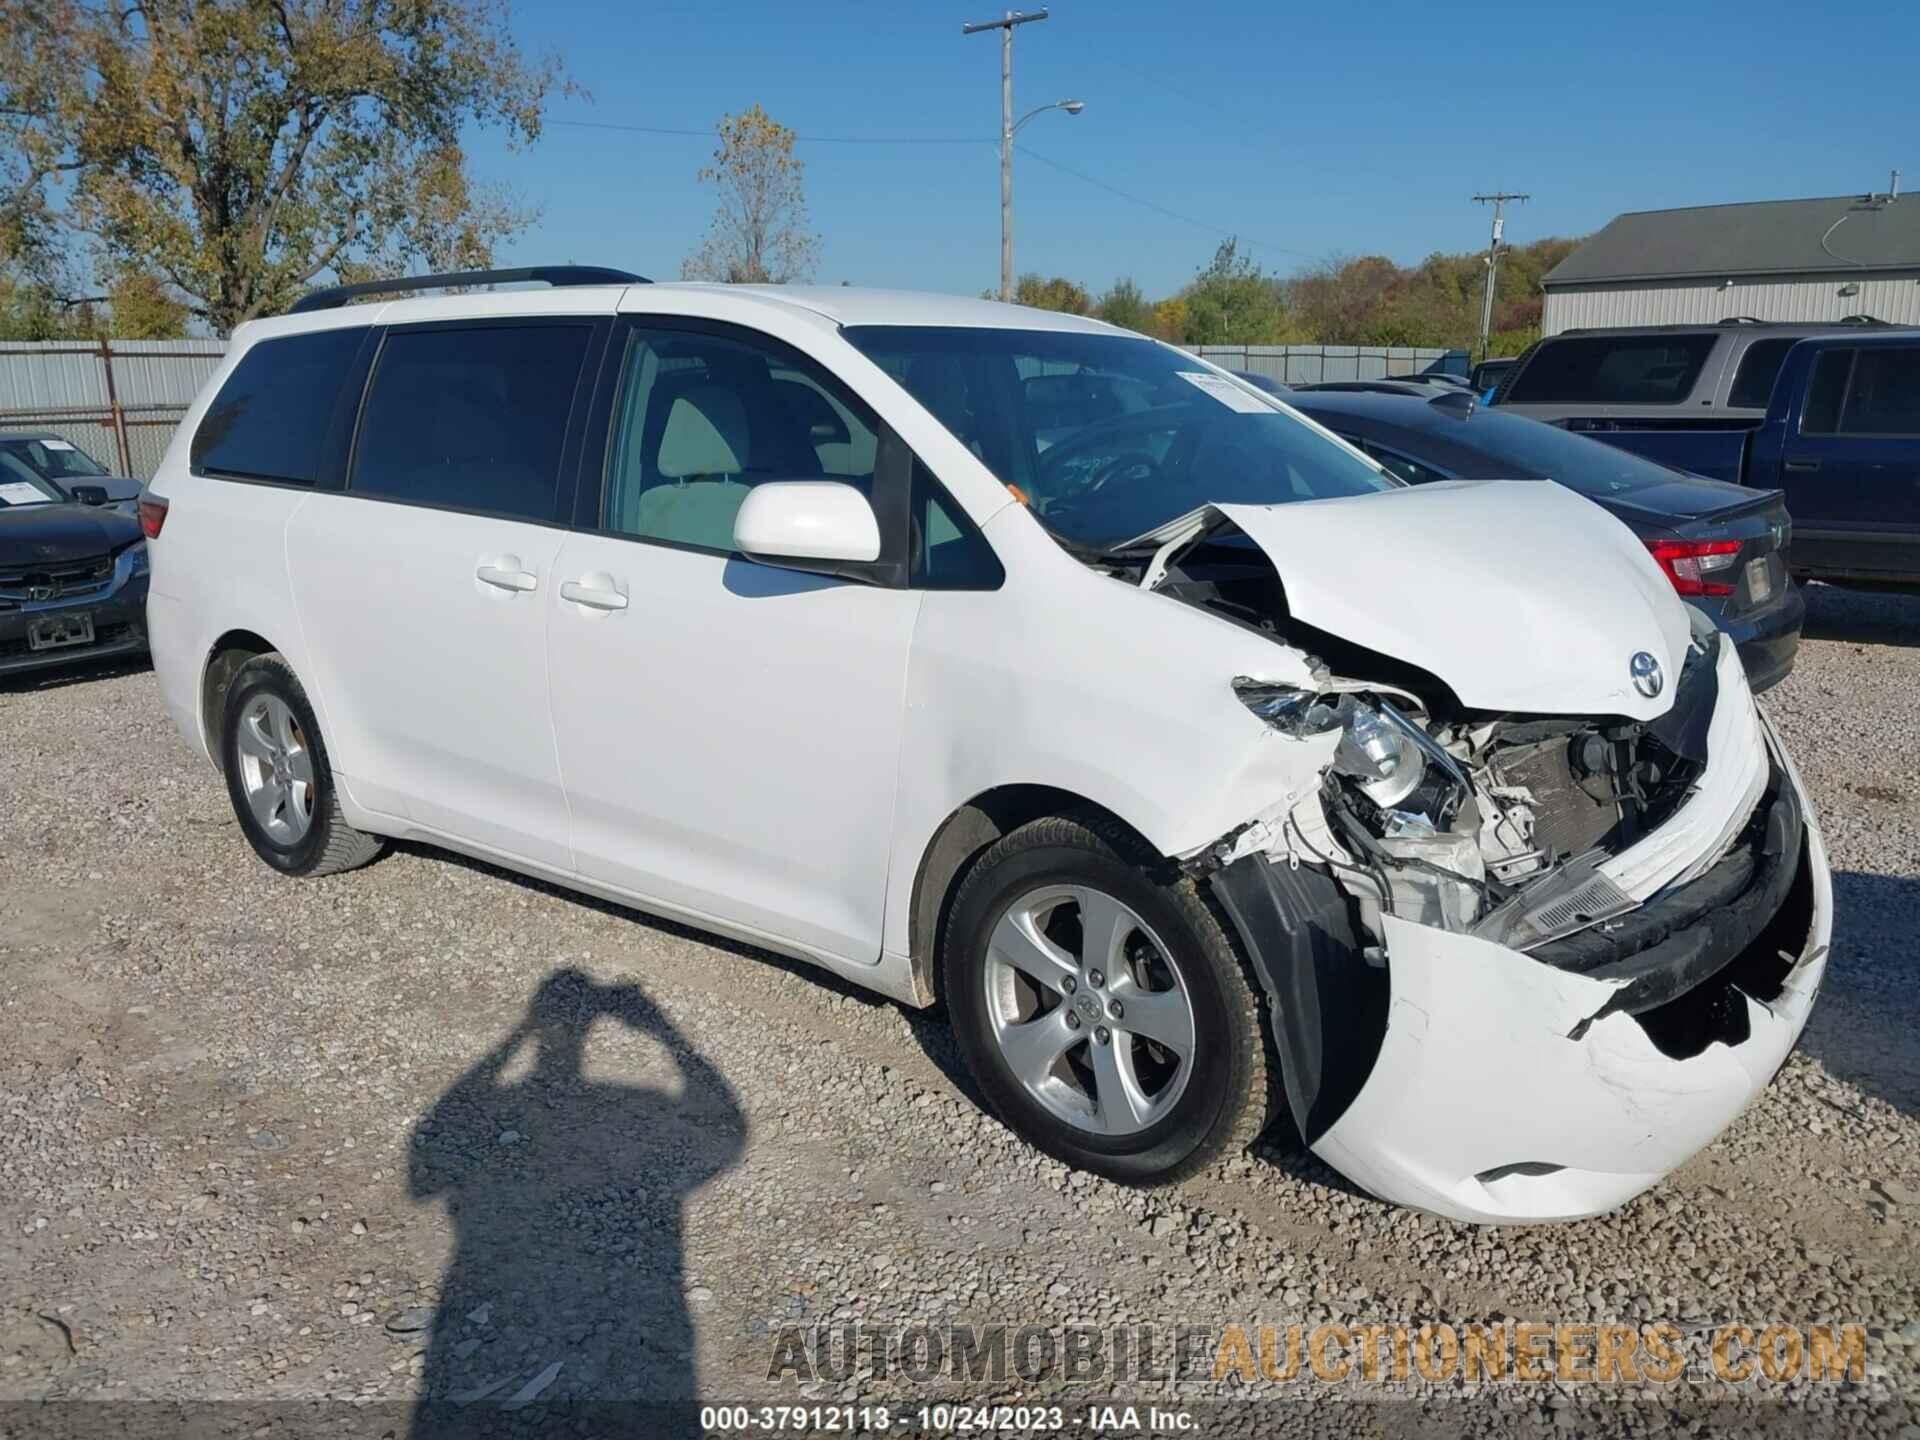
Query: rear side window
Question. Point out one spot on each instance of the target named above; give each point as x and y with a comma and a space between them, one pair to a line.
269, 421
1884, 398
1612, 370
1825, 391
471, 417
1759, 368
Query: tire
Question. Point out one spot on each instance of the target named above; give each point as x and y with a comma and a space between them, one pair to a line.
287, 804
1147, 1114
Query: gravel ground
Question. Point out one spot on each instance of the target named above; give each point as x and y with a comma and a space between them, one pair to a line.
433, 1129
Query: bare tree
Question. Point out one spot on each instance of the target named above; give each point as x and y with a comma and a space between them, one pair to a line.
759, 233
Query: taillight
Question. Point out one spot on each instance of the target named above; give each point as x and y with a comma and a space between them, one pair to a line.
1690, 563
153, 514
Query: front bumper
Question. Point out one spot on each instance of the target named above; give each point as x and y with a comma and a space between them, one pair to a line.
119, 628
1486, 1084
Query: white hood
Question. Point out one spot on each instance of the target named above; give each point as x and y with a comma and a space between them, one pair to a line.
1519, 594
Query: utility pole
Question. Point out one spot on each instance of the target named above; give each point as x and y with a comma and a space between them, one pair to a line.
1005, 26
1499, 203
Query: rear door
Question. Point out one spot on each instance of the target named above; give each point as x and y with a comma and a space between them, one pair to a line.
421, 588
729, 731
1851, 468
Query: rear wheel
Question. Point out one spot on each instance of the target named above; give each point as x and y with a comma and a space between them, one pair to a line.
278, 776
1102, 1008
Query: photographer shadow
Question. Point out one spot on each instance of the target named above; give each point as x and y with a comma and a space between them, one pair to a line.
565, 1297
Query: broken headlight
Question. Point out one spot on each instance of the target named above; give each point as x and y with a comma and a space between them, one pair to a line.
1376, 749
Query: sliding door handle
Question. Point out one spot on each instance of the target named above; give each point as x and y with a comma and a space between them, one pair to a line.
502, 578
594, 597
1802, 464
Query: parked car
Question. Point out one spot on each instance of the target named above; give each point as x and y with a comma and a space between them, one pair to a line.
1702, 377
1838, 433
1191, 745
1488, 374
1723, 547
73, 567
53, 457
1261, 382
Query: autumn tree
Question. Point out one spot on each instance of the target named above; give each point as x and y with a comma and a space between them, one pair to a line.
1232, 301
758, 234
1052, 293
1124, 305
239, 150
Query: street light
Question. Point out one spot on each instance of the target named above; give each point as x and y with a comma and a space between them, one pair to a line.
1008, 126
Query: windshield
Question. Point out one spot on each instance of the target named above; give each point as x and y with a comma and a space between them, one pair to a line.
1108, 436
50, 459
1591, 467
21, 484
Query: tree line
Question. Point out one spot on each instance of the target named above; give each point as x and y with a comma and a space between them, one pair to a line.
1364, 300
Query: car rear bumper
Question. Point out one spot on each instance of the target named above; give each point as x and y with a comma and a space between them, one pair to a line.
119, 628
1769, 641
1489, 1084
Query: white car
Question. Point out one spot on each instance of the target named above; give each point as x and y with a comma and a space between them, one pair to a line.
1004, 658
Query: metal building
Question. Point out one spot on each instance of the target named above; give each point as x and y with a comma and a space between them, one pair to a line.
1813, 260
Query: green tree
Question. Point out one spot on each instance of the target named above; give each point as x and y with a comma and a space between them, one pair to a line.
758, 234
1054, 293
1124, 305
1232, 301
238, 150
139, 307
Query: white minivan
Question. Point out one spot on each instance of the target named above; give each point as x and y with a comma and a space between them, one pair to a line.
1008, 660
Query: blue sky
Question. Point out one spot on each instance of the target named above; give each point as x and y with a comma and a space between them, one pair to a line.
1309, 130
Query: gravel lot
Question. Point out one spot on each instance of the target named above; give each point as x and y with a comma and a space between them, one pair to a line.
432, 1128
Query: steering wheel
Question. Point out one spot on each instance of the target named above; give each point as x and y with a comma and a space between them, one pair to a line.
1132, 464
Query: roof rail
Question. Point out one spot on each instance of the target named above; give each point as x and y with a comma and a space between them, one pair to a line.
1863, 320
334, 296
1744, 320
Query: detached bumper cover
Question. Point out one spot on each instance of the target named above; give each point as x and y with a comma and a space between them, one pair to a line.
1501, 1087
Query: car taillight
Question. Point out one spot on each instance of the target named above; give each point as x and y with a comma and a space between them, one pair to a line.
153, 514
1689, 563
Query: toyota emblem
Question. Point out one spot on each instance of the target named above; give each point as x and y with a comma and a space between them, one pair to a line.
1645, 671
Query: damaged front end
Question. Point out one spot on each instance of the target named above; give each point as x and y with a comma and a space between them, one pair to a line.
1521, 965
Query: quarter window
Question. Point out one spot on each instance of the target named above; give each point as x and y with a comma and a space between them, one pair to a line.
1825, 390
269, 421
1596, 370
471, 417
1759, 368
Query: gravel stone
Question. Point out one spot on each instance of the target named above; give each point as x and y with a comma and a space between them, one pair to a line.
540, 1116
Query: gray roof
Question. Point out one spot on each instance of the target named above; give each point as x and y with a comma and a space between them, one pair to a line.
1770, 237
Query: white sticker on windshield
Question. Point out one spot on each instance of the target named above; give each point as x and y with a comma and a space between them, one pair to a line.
56, 445
18, 492
1226, 392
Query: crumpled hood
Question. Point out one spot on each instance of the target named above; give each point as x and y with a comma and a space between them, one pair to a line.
1519, 594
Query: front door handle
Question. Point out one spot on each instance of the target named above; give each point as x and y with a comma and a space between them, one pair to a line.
1803, 464
502, 578
594, 597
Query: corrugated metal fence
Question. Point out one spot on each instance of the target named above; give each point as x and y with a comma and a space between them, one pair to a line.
1306, 364
119, 400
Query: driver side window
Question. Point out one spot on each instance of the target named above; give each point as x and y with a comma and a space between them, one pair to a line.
701, 419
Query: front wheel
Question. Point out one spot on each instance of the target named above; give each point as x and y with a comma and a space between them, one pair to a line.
1104, 1012
279, 778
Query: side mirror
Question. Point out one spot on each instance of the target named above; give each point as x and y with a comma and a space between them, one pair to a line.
807, 525
89, 494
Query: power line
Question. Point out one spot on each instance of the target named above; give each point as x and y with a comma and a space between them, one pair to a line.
710, 134
1158, 208
1028, 151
